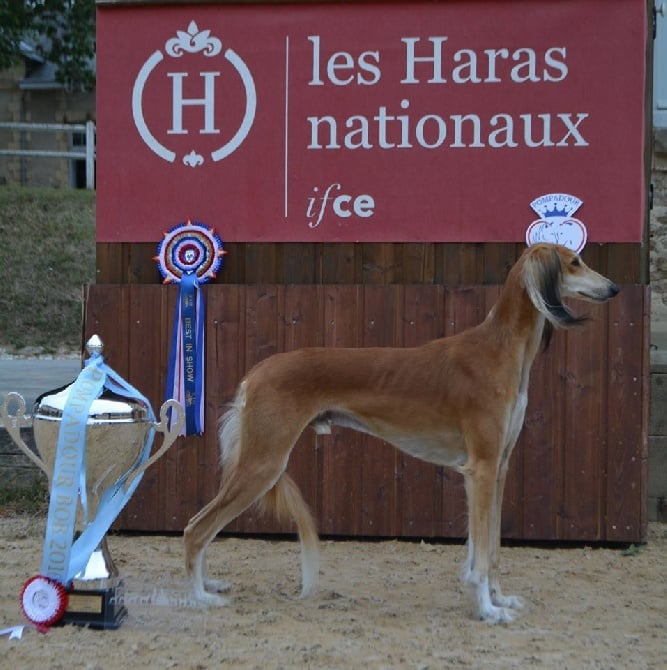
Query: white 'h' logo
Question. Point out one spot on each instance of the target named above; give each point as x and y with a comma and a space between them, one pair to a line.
193, 41
207, 102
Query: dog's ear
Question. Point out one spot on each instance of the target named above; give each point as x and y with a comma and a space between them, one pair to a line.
543, 275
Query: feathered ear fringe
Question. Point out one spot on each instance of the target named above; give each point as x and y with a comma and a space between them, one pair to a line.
543, 277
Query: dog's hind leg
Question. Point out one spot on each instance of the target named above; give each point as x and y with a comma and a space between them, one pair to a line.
240, 490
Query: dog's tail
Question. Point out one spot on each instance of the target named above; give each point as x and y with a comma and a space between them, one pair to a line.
287, 503
229, 431
283, 499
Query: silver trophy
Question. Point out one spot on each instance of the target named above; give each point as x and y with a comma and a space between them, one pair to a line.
115, 438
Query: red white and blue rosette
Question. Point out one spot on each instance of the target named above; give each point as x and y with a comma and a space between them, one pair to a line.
189, 255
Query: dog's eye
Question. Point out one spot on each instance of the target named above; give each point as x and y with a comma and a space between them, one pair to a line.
575, 262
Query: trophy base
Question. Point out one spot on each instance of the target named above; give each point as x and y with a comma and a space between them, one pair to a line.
95, 608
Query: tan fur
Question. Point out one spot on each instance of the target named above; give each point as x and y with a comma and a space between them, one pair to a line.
457, 401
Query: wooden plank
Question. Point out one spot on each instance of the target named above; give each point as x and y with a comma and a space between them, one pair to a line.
540, 447
261, 327
303, 317
263, 264
233, 263
419, 484
585, 429
623, 263
141, 267
414, 263
341, 485
378, 265
378, 460
342, 262
107, 315
625, 399
300, 261
178, 471
463, 264
463, 308
471, 266
264, 338
498, 259
146, 509
225, 367
109, 263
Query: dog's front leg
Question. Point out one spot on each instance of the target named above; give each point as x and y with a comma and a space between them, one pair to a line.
513, 430
497, 597
480, 484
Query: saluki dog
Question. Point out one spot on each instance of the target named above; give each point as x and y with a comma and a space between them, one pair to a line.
458, 401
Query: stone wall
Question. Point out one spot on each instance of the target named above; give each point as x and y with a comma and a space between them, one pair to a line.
657, 440
658, 232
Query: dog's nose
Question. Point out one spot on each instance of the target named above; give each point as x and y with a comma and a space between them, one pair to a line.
613, 289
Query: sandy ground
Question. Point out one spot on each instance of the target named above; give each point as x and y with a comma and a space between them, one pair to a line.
380, 605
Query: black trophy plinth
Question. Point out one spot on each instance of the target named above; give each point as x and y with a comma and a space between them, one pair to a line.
96, 608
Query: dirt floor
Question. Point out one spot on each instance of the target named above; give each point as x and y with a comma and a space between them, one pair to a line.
380, 605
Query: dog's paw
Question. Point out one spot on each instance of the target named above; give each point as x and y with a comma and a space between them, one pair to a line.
511, 602
206, 599
492, 614
216, 586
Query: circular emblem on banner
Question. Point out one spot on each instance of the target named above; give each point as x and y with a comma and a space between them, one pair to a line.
43, 601
191, 42
190, 248
557, 224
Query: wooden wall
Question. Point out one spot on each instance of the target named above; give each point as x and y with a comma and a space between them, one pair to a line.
364, 263
578, 473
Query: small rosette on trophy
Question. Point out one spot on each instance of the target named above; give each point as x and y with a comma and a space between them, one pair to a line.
43, 601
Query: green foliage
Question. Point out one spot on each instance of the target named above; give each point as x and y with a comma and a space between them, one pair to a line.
66, 32
46, 256
15, 17
30, 499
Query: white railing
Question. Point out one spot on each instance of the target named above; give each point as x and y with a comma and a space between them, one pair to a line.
89, 150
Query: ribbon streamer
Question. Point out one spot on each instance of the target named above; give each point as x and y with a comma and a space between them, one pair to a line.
68, 472
189, 255
115, 498
185, 376
15, 632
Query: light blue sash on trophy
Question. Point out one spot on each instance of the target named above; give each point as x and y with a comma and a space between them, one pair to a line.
62, 558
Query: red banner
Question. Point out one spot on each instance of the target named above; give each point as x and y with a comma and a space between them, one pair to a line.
370, 122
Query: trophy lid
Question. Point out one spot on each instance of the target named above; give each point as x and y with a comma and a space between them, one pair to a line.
109, 407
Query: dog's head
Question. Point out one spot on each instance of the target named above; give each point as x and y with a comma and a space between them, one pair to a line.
552, 272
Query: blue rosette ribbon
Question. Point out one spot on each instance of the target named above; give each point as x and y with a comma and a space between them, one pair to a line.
189, 255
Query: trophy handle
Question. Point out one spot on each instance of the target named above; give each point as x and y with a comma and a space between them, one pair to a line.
171, 431
14, 423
